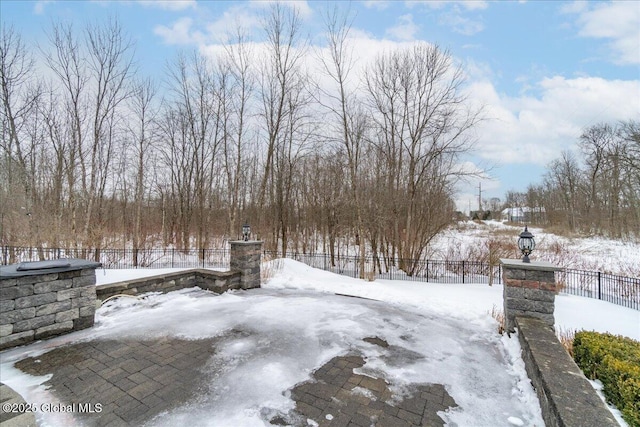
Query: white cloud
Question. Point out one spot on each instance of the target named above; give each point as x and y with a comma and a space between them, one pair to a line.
38, 7
180, 32
376, 4
461, 24
455, 14
474, 5
404, 30
301, 6
535, 129
234, 18
441, 4
174, 5
617, 22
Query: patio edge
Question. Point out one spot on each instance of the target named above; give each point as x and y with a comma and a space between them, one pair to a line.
566, 397
215, 281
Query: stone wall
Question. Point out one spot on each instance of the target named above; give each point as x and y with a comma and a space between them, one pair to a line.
215, 281
529, 290
47, 298
38, 306
245, 258
566, 397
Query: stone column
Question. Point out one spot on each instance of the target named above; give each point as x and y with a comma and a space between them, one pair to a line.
42, 299
245, 257
529, 291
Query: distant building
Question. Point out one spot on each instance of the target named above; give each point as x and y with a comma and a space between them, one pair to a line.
524, 214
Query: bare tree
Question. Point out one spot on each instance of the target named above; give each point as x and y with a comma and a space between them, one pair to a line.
350, 122
109, 61
194, 128
20, 94
564, 177
422, 122
94, 72
142, 137
629, 133
240, 93
65, 60
282, 92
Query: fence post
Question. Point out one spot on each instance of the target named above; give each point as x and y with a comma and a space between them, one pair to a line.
599, 286
202, 257
356, 266
463, 272
427, 270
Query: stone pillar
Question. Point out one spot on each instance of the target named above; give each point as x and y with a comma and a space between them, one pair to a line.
42, 299
529, 291
245, 258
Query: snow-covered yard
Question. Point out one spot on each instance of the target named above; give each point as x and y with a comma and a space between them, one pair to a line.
468, 240
441, 333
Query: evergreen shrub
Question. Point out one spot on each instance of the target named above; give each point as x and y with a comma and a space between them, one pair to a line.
615, 361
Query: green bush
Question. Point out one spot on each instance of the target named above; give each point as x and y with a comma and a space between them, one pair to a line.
615, 361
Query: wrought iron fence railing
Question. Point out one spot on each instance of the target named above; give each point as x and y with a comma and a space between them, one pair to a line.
124, 258
620, 290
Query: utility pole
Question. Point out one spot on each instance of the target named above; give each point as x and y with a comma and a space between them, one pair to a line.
479, 200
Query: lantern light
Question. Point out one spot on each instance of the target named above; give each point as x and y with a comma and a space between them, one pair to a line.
526, 244
246, 232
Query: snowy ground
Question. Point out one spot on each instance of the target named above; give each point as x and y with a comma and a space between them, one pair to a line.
295, 324
467, 240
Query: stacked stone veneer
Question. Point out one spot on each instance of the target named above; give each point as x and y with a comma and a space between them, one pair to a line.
38, 306
215, 281
245, 258
529, 291
565, 395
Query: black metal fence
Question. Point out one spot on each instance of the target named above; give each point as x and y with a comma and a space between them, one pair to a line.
422, 270
620, 290
124, 258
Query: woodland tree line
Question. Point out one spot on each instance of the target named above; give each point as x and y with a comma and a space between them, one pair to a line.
597, 190
95, 156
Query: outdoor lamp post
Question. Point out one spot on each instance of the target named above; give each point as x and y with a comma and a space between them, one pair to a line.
526, 244
246, 231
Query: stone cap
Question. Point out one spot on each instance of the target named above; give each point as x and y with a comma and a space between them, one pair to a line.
533, 265
45, 267
248, 242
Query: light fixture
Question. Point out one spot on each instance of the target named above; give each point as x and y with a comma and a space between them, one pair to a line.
246, 232
526, 244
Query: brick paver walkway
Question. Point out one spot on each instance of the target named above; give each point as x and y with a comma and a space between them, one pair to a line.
132, 380
338, 397
135, 381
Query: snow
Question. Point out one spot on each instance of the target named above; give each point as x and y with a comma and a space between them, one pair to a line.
104, 276
467, 240
597, 385
437, 333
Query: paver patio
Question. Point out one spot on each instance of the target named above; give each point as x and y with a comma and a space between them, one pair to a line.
136, 381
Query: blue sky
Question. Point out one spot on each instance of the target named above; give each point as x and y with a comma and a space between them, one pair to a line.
543, 69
